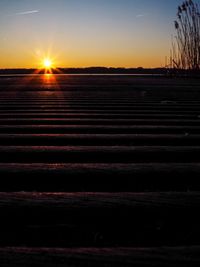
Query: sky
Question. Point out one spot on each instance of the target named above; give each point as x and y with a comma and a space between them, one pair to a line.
83, 33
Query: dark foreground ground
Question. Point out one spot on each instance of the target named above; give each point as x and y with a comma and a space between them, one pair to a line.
99, 171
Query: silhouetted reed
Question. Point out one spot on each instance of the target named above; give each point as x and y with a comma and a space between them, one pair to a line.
185, 53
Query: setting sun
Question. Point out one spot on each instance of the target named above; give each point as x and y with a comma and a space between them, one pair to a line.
47, 63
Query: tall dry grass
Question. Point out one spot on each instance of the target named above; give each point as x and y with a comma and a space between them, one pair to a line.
185, 52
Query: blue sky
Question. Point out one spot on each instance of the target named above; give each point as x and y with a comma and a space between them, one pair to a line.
86, 32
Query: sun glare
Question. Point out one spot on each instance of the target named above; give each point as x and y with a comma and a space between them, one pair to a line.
47, 63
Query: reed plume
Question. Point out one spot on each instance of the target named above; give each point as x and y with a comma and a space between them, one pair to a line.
185, 54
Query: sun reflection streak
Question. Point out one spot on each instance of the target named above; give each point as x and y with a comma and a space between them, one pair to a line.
50, 82
49, 78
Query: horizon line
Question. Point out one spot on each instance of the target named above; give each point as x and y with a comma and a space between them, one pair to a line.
90, 67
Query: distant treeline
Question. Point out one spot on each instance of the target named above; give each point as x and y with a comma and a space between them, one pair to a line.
90, 70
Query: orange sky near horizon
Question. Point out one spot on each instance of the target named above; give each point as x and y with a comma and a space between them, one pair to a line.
108, 56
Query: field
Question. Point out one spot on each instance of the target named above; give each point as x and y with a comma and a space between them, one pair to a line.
99, 170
